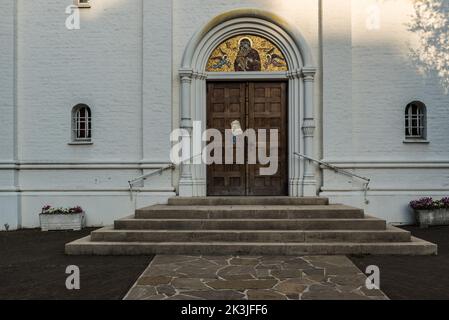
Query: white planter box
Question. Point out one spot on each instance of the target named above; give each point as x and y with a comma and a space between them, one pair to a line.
436, 217
62, 221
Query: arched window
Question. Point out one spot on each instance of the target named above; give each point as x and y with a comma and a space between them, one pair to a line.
415, 120
81, 123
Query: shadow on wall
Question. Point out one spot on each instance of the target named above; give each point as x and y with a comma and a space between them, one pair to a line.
430, 22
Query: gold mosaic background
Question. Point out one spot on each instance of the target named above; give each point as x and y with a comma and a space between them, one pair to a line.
223, 57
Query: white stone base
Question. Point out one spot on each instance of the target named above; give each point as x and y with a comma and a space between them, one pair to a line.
186, 188
309, 188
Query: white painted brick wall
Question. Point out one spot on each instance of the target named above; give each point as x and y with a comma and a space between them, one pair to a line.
124, 63
102, 65
157, 79
385, 81
9, 204
98, 65
6, 80
369, 80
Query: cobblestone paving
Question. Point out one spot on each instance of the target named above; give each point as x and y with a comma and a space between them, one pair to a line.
252, 278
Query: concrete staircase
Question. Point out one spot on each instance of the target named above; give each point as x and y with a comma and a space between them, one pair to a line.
250, 226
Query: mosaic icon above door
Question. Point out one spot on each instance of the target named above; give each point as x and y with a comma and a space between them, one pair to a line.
246, 53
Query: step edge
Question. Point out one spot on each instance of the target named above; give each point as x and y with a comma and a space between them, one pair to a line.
337, 207
215, 243
250, 220
249, 231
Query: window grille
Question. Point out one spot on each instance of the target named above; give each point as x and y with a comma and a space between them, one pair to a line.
415, 121
81, 123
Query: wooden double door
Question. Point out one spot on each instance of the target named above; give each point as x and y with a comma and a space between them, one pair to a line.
255, 105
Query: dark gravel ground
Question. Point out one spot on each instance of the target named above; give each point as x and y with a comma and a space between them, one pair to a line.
33, 264
414, 278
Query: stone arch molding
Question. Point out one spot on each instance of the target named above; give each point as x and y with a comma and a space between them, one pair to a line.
301, 77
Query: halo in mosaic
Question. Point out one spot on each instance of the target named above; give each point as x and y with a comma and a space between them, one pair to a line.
246, 53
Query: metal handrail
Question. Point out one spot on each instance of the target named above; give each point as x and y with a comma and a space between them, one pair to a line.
341, 171
148, 175
144, 177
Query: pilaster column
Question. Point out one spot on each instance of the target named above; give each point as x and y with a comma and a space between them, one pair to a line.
198, 114
186, 181
294, 116
308, 129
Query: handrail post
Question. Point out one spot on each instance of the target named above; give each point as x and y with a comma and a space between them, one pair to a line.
130, 190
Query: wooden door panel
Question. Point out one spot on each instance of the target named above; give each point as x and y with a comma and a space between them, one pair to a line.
268, 110
226, 103
257, 105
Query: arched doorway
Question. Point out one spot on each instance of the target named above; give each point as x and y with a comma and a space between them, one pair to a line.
300, 76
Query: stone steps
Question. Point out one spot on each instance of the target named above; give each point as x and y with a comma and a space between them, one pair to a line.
227, 201
112, 235
249, 212
250, 226
368, 223
85, 246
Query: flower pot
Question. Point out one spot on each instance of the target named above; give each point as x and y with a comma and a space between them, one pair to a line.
74, 221
434, 217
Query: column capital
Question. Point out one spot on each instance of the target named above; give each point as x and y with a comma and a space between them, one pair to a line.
309, 73
186, 79
294, 74
199, 75
308, 127
185, 74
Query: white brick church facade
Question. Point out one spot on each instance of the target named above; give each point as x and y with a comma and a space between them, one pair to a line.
354, 88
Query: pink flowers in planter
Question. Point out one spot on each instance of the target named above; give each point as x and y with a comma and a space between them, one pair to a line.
50, 210
76, 209
445, 202
430, 204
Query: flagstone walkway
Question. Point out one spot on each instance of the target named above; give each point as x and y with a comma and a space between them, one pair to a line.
252, 278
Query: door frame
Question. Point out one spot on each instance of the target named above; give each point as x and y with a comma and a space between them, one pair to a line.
286, 151
300, 77
301, 181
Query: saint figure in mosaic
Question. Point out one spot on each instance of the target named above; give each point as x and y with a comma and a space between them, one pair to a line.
247, 59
